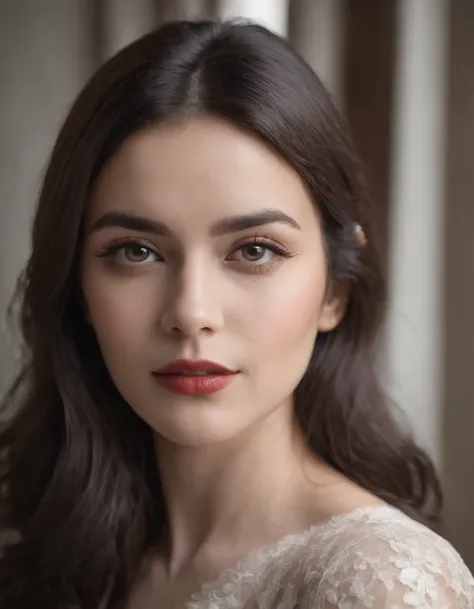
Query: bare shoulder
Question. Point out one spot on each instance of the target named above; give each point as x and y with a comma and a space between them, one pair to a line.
379, 557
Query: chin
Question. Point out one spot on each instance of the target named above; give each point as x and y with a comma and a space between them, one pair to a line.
194, 437
194, 425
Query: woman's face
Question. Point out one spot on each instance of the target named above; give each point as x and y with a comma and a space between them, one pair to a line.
202, 244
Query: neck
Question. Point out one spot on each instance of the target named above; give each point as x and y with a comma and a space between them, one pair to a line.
238, 490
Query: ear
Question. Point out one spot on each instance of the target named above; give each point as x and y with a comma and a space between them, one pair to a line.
333, 307
337, 294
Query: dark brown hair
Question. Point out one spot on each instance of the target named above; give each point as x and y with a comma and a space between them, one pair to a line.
80, 483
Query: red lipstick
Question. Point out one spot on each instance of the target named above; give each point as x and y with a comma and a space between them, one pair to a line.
194, 377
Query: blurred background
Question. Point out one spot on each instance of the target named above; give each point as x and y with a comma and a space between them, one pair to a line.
402, 72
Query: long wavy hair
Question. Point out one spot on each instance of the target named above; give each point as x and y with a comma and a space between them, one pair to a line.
81, 497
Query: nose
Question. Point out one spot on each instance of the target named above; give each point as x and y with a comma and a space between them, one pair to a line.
192, 305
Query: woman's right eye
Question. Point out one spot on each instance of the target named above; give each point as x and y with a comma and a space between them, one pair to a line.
131, 253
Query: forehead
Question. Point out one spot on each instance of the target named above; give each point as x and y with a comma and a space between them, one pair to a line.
200, 169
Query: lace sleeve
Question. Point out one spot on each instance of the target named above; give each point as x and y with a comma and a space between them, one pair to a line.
394, 565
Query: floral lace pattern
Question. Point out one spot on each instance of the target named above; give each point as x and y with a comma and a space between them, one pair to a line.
373, 558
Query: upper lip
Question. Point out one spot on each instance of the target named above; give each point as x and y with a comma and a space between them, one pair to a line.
187, 365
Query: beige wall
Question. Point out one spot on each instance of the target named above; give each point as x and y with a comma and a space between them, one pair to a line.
44, 59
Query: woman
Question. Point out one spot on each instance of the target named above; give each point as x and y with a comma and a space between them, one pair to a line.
199, 422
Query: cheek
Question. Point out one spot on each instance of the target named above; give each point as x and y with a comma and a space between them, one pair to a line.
120, 310
284, 319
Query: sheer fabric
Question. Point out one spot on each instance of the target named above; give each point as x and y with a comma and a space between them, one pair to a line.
371, 558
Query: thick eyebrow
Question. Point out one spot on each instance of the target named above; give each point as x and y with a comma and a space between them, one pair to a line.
233, 224
236, 224
115, 219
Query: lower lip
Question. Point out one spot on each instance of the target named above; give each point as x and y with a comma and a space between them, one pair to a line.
194, 385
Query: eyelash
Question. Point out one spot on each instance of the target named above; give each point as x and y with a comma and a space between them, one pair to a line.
113, 249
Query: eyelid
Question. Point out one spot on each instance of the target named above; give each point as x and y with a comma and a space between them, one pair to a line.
124, 241
264, 241
260, 239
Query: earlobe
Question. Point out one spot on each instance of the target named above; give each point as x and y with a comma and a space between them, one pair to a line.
333, 308
360, 235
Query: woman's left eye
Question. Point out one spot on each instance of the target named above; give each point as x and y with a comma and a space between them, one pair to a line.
258, 253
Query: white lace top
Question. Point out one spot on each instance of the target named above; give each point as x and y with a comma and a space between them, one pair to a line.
371, 558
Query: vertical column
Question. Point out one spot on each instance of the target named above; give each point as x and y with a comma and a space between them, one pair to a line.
458, 460
273, 14
415, 324
368, 96
317, 32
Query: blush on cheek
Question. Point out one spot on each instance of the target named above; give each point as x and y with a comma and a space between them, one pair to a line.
120, 312
288, 316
